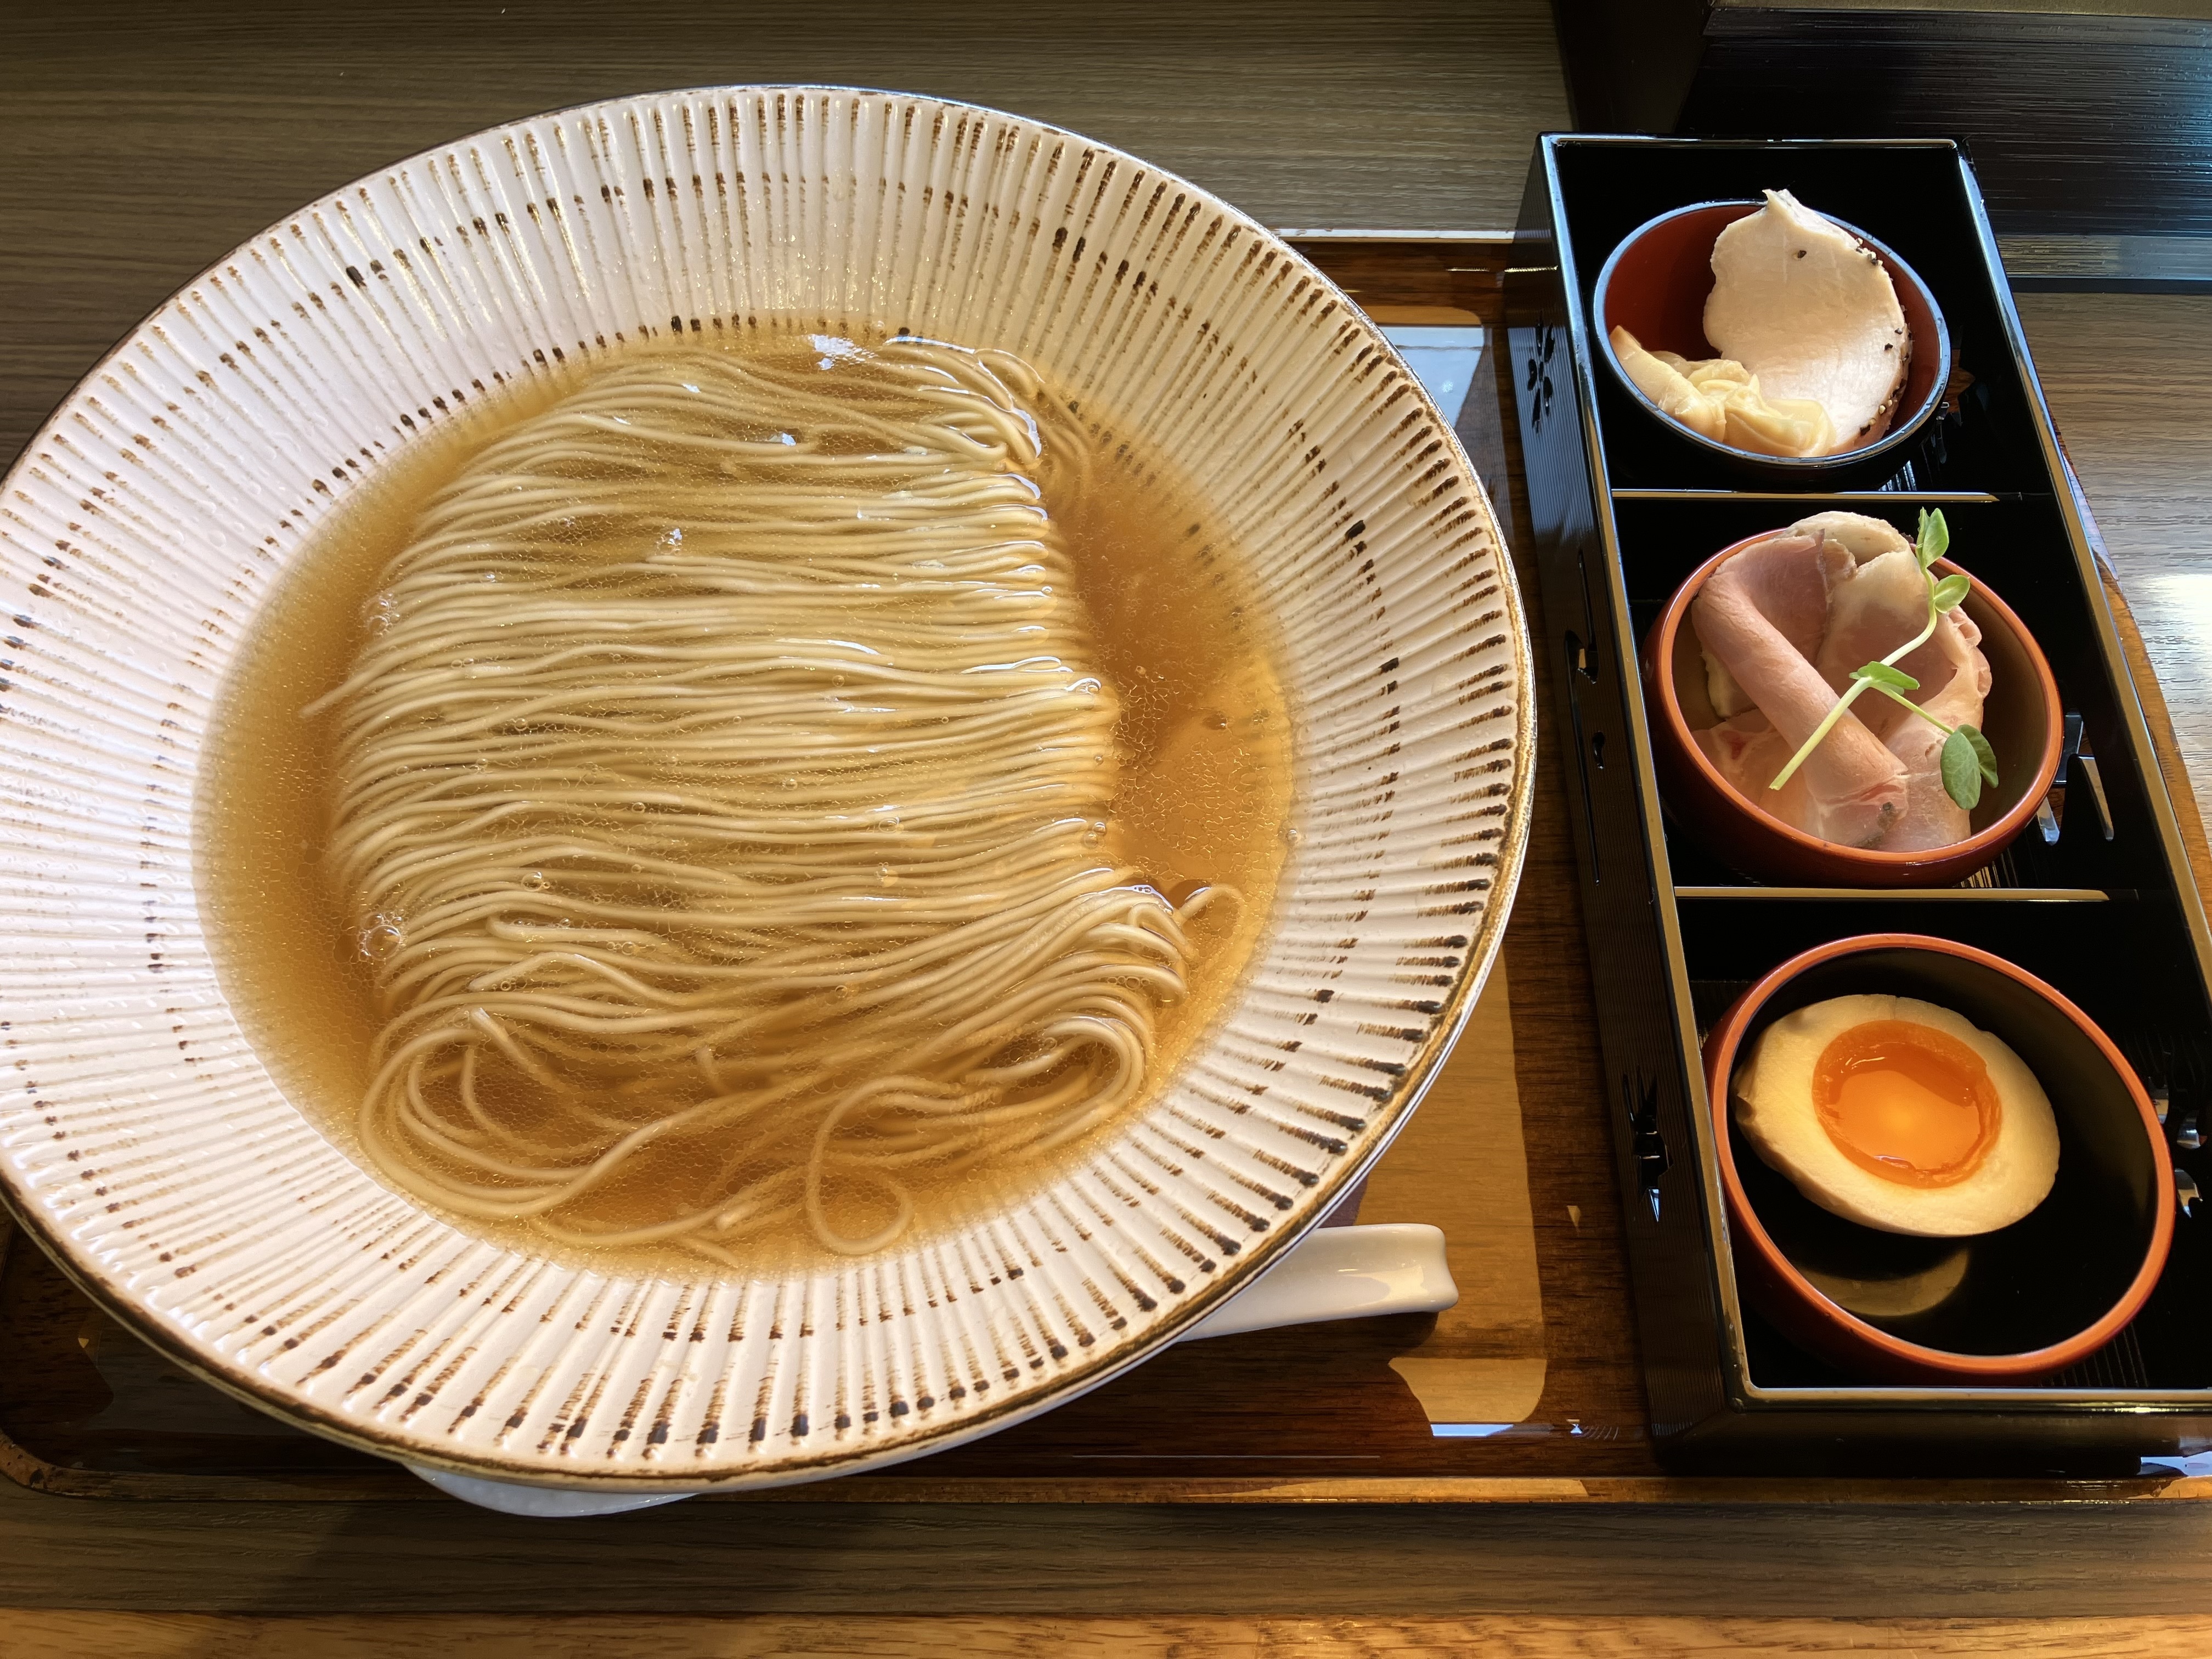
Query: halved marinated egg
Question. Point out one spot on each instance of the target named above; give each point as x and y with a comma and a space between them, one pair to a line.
1899, 1115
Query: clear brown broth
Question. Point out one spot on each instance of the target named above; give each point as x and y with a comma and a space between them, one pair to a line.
1178, 630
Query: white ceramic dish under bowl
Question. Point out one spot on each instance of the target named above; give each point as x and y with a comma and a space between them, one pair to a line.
144, 1143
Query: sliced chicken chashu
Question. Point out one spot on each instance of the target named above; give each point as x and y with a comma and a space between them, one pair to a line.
1812, 312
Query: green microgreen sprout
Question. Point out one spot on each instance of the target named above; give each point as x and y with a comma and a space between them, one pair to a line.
1967, 762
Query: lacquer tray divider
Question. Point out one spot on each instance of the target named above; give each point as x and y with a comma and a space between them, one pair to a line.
1620, 515
1327, 1390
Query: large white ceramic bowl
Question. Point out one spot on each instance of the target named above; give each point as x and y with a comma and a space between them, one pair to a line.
145, 1145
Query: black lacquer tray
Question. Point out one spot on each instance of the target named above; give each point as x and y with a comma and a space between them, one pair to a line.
1529, 1392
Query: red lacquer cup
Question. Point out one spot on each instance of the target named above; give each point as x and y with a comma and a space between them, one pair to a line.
2012, 1306
2023, 719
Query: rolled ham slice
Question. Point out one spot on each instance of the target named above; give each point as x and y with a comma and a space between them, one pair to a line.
1854, 787
1884, 605
1791, 591
1783, 625
1748, 751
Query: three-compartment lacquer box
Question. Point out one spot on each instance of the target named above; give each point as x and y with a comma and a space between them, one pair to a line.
2094, 896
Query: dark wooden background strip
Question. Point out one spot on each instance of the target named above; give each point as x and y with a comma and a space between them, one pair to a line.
143, 140
2123, 374
1936, 1561
190, 1636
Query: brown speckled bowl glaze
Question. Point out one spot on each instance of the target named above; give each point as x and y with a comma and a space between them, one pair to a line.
145, 1144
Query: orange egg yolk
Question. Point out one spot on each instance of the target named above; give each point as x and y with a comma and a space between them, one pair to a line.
1913, 1104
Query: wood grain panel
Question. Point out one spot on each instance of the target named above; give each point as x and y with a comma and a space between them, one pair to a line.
145, 140
2013, 1561
37, 1635
2125, 375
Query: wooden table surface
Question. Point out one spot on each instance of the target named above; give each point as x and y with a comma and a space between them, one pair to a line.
143, 140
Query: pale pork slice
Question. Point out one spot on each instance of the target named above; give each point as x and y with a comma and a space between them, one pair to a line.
1811, 311
1855, 788
1932, 818
1748, 752
1882, 604
1860, 537
1787, 589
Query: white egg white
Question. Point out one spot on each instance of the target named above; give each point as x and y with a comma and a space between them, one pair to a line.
1898, 1298
1772, 1091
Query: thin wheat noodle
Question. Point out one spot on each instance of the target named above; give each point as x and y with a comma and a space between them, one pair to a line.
725, 767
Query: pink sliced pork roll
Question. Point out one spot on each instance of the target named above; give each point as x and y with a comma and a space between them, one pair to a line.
1783, 624
1854, 787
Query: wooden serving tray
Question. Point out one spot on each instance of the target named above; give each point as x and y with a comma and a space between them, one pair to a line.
1527, 1391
